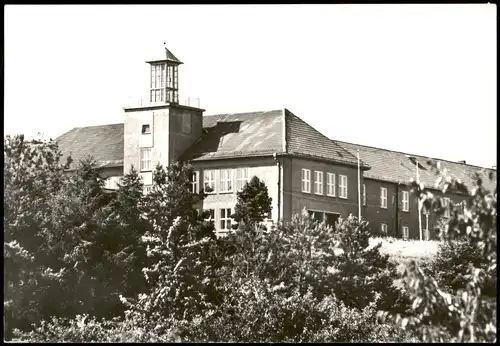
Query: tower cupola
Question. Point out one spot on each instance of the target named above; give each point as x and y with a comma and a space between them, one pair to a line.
164, 79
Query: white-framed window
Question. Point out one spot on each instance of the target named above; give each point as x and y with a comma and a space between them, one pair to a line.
342, 186
364, 194
306, 180
383, 228
226, 180
406, 232
211, 214
446, 205
242, 177
318, 182
406, 201
146, 129
145, 159
383, 197
225, 219
330, 184
194, 182
209, 181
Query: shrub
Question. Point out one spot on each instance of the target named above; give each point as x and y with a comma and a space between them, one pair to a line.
467, 312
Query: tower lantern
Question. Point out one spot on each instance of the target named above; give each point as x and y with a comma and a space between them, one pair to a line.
164, 79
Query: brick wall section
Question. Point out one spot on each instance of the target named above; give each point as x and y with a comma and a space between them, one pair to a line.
311, 201
394, 216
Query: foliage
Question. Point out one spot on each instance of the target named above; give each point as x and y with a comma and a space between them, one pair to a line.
464, 314
177, 246
253, 202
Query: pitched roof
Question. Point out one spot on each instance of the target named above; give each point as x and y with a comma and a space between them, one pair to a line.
394, 166
169, 56
224, 136
238, 135
264, 133
104, 143
304, 140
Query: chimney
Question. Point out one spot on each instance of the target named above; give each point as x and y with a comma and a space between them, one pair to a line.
462, 162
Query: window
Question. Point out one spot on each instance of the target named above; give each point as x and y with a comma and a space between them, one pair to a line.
194, 182
330, 184
446, 205
145, 159
318, 183
342, 186
306, 180
210, 214
146, 129
209, 181
406, 232
225, 219
158, 78
383, 197
406, 201
364, 194
226, 180
146, 189
242, 177
383, 228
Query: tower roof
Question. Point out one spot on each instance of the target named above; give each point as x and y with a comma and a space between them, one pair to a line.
168, 56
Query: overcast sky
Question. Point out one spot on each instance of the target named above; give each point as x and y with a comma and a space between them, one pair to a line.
366, 74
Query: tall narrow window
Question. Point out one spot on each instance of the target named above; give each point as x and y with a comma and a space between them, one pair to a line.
194, 182
330, 184
225, 219
342, 186
158, 78
383, 197
242, 177
209, 181
383, 228
406, 232
145, 159
406, 201
318, 183
226, 180
446, 205
306, 180
364, 194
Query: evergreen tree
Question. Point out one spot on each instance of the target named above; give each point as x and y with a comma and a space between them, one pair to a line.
254, 203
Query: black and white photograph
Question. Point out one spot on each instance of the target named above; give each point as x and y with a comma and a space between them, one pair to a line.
316, 173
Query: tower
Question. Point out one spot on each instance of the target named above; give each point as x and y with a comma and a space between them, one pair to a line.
159, 130
164, 79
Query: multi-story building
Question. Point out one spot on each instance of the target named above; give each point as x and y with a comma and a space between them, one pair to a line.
301, 167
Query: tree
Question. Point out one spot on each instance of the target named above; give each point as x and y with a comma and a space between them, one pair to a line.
456, 313
253, 203
178, 245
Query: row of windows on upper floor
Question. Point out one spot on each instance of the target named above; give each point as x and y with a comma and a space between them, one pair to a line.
318, 184
219, 180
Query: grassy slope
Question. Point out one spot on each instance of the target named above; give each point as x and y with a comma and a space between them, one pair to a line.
403, 251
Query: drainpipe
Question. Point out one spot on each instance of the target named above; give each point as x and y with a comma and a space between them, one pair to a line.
397, 210
278, 163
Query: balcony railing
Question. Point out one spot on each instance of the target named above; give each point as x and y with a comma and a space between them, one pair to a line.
144, 102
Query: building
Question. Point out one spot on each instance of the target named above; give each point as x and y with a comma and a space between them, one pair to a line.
301, 167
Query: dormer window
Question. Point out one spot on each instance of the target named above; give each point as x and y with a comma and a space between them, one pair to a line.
146, 129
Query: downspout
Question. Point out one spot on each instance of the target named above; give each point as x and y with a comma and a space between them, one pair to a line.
278, 162
397, 210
